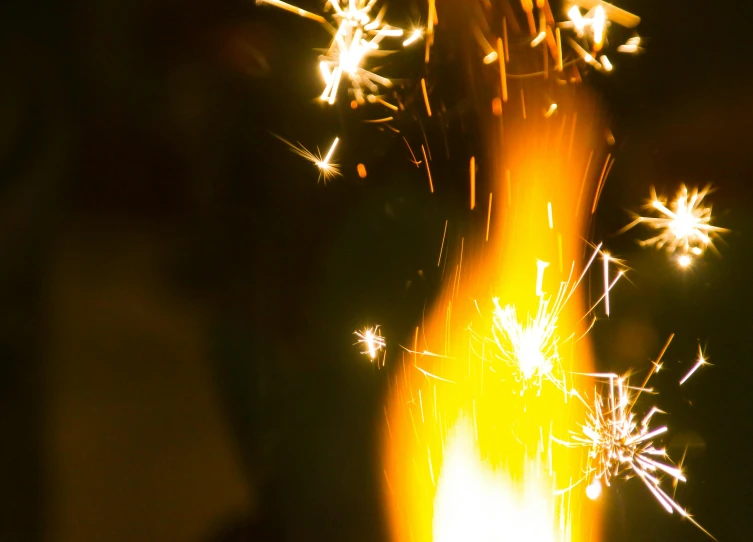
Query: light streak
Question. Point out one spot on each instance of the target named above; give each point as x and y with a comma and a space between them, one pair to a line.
540, 267
372, 341
502, 69
701, 361
414, 161
490, 55
549, 112
473, 181
426, 96
428, 171
489, 216
632, 45
293, 9
684, 225
327, 169
441, 248
415, 36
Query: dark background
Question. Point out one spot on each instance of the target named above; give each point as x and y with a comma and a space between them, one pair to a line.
178, 292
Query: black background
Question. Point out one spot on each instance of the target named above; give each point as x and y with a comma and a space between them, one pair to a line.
120, 117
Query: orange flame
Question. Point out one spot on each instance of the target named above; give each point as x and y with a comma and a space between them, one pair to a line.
469, 454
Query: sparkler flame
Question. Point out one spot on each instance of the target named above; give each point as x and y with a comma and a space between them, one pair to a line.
461, 433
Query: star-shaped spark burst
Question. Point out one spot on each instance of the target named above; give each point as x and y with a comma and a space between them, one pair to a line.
328, 170
372, 340
529, 348
356, 39
685, 224
623, 444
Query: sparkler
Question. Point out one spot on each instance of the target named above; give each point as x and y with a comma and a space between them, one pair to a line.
356, 38
685, 225
328, 170
372, 341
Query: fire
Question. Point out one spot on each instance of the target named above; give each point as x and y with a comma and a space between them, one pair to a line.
470, 443
476, 502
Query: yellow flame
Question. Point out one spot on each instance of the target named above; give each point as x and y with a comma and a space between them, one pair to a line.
477, 502
470, 450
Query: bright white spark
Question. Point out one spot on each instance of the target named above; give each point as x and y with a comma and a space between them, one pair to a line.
415, 36
685, 224
632, 45
701, 361
530, 348
357, 39
327, 169
372, 341
593, 24
591, 30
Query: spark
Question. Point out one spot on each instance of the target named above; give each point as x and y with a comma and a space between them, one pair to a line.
489, 216
415, 36
540, 268
549, 112
293, 9
701, 361
591, 30
529, 348
473, 181
428, 171
490, 55
372, 340
327, 169
356, 38
632, 45
426, 96
685, 224
620, 443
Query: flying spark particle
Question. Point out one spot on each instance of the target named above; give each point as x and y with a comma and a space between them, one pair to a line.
372, 340
327, 169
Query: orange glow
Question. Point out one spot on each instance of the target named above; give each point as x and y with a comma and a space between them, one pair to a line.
469, 452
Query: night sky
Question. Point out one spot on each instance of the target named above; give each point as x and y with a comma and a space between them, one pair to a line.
179, 294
